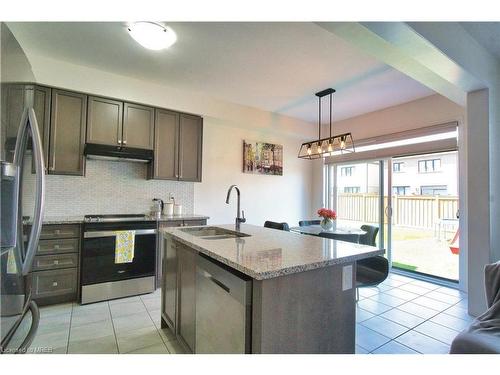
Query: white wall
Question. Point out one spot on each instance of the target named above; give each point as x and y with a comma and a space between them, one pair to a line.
226, 125
277, 198
478, 232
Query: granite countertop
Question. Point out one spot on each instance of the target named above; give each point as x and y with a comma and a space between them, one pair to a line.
269, 253
79, 219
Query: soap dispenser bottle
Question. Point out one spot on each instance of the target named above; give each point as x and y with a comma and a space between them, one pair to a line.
169, 206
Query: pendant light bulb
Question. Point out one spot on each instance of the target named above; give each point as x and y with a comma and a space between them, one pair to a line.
309, 151
330, 146
320, 150
342, 143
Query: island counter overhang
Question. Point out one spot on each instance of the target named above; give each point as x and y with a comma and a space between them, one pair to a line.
303, 287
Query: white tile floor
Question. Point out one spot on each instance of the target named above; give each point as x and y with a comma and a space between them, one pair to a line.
401, 315
408, 316
128, 325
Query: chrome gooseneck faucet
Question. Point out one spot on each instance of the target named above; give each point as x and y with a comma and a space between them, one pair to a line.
239, 219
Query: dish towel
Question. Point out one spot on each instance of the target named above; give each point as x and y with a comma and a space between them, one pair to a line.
124, 246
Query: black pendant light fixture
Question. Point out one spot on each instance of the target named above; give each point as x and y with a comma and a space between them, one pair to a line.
334, 144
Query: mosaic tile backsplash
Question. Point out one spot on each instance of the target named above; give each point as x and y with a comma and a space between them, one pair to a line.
109, 187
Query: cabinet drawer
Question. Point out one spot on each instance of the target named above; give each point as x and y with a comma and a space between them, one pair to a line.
51, 262
58, 246
54, 283
171, 223
60, 231
188, 223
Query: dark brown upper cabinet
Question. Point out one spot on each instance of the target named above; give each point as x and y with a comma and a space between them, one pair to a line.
67, 133
104, 121
190, 147
166, 161
114, 123
178, 146
15, 98
138, 126
13, 102
41, 104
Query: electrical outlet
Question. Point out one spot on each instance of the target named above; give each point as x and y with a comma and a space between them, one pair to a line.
347, 277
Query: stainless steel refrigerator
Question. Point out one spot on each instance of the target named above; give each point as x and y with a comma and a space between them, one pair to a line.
19, 314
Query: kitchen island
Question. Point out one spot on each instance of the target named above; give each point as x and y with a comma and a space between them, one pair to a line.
277, 291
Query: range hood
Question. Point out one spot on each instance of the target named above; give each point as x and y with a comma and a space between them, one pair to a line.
116, 153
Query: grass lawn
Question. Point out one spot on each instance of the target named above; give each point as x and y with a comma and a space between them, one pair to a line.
420, 250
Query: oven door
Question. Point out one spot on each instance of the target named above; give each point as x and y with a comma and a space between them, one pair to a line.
98, 256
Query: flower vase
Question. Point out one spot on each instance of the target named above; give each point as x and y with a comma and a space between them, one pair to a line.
326, 224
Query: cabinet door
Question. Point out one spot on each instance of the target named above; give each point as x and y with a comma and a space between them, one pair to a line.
105, 119
186, 296
13, 101
138, 126
165, 165
190, 147
67, 133
41, 105
160, 243
169, 284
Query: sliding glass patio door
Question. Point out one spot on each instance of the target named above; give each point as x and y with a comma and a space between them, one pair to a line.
356, 192
423, 228
412, 200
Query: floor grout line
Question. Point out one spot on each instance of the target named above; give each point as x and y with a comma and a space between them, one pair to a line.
114, 330
69, 329
157, 329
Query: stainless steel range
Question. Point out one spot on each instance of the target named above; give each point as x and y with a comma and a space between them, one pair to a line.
104, 275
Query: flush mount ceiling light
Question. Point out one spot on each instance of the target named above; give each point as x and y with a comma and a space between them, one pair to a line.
152, 35
334, 144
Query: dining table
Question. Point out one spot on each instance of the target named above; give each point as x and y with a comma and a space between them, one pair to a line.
315, 230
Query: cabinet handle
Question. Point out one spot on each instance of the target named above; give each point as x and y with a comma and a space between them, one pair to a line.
56, 262
52, 166
54, 283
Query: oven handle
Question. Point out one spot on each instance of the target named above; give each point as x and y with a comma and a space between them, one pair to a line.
112, 233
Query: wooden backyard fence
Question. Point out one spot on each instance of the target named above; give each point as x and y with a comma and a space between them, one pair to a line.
417, 211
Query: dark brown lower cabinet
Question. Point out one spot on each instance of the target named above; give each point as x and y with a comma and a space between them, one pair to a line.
186, 297
169, 286
54, 277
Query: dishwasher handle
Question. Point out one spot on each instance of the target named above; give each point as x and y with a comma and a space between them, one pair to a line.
215, 281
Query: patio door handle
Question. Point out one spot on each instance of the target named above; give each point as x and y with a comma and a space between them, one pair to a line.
388, 211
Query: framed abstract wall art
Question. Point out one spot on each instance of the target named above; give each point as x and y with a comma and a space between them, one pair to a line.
262, 158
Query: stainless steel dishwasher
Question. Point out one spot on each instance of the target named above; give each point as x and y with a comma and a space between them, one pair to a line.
223, 309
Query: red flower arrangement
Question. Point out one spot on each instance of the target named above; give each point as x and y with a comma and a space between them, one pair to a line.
325, 213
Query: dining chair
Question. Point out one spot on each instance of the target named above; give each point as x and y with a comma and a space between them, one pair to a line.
370, 236
275, 225
306, 223
370, 271
341, 237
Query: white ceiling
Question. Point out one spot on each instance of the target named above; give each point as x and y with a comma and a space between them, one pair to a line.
486, 33
273, 66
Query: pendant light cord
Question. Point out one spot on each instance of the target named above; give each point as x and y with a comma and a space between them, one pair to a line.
331, 115
319, 117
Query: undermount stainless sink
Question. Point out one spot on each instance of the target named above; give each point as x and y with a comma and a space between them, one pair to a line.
213, 233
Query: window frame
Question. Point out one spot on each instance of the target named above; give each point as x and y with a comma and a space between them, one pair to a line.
425, 163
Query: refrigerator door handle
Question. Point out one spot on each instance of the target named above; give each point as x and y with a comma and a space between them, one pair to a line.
29, 125
35, 314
